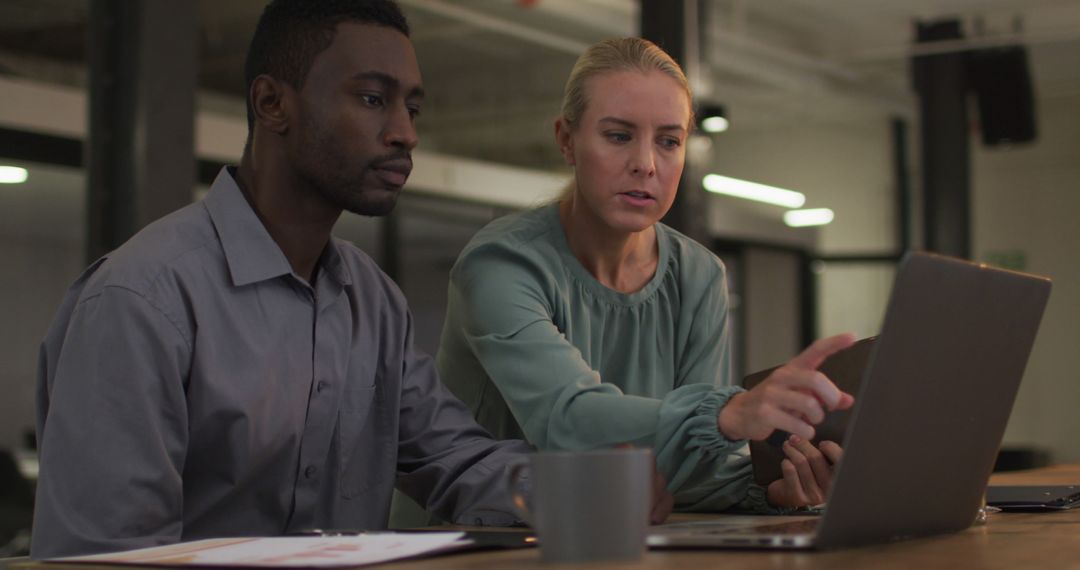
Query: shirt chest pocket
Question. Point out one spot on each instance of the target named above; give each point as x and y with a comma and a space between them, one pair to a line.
366, 450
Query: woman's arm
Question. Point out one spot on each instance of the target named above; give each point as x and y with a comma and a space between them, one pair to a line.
504, 301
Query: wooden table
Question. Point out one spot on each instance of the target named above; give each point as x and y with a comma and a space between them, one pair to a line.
1008, 541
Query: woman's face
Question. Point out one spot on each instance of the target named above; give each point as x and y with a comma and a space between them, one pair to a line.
628, 149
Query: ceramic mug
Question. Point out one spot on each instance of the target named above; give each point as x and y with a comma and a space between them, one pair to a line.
588, 506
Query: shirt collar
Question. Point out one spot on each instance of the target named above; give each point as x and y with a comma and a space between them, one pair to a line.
333, 264
250, 252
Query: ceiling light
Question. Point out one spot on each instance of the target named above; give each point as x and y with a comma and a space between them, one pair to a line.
712, 119
753, 191
12, 175
809, 217
714, 124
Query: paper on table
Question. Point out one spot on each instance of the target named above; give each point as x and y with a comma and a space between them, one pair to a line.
287, 551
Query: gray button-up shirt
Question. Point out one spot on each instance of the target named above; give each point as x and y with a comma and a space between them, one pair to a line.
193, 386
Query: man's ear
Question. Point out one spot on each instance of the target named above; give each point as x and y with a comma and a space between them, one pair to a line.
268, 103
565, 141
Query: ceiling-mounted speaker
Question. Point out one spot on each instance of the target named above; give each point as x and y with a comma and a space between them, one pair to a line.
1002, 84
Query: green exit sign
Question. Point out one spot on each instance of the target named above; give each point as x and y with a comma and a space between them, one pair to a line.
1015, 259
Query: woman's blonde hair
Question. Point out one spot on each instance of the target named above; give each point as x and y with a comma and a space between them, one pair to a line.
610, 56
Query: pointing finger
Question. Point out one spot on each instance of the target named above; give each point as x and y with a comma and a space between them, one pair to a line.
816, 384
816, 353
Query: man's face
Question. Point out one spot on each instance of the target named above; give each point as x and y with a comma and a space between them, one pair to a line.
354, 127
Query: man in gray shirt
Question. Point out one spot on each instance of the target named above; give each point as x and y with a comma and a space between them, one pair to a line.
233, 369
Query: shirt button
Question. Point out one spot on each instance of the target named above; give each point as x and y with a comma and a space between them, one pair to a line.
310, 471
321, 386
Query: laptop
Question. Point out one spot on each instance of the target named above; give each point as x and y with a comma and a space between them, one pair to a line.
929, 417
1033, 497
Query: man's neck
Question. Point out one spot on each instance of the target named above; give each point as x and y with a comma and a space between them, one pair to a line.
298, 221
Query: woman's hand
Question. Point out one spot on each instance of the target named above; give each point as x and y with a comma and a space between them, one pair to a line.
793, 398
807, 473
662, 500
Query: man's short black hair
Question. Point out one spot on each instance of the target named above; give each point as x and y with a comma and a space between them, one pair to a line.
290, 33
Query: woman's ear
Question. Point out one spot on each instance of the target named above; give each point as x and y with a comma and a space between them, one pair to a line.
268, 104
565, 140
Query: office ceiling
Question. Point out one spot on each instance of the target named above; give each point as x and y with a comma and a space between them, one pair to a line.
495, 68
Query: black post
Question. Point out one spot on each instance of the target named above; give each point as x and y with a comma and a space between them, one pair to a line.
671, 24
663, 22
808, 296
942, 88
903, 185
140, 157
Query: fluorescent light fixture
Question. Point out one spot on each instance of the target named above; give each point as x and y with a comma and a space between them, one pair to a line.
12, 175
808, 217
753, 191
714, 124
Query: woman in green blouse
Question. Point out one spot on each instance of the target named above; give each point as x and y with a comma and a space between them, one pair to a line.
587, 323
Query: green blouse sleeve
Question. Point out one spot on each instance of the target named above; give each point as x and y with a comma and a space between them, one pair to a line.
504, 301
556, 398
713, 473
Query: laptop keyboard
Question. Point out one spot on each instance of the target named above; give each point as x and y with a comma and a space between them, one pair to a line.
790, 527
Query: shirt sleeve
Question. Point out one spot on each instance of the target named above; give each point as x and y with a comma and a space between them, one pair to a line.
114, 436
561, 403
446, 461
707, 477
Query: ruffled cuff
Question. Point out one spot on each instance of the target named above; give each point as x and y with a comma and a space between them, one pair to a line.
756, 502
702, 427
